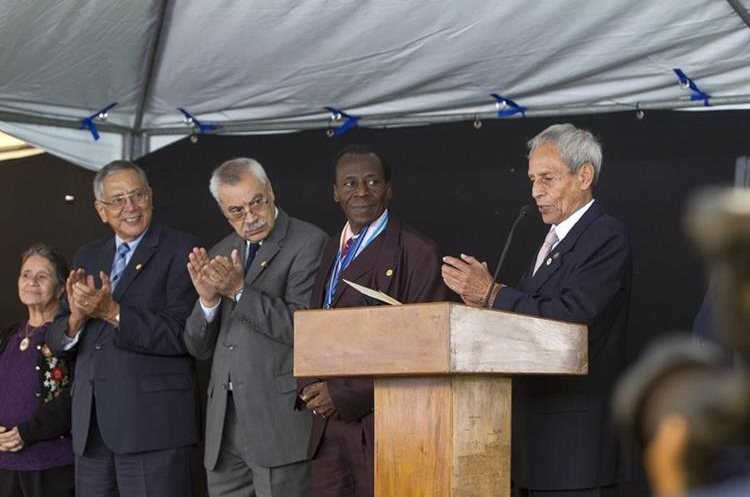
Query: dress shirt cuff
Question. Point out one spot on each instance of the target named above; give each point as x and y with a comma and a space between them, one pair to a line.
209, 312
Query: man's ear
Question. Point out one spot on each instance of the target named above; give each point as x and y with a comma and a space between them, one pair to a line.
586, 175
336, 197
101, 209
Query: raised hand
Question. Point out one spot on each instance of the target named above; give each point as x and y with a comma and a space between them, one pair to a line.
468, 277
198, 261
78, 315
226, 275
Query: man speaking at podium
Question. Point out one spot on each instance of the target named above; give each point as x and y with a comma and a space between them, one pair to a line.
377, 251
564, 443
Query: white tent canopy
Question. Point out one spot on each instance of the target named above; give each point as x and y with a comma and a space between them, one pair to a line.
274, 65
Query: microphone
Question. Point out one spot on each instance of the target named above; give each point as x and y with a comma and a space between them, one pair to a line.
521, 215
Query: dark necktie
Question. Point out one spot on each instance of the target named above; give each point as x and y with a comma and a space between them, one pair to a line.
252, 249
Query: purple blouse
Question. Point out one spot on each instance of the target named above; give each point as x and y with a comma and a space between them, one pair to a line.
20, 396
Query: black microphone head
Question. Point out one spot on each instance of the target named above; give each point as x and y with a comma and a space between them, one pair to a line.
524, 210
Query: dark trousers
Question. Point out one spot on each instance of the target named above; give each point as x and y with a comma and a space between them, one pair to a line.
101, 473
53, 482
343, 465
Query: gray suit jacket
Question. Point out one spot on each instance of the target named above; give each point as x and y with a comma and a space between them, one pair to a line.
251, 343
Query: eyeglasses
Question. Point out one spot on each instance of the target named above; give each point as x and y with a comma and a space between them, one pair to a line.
118, 202
255, 207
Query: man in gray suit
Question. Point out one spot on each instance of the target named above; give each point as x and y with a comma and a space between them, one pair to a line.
249, 285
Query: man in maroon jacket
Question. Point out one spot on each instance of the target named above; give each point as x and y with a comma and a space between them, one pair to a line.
377, 251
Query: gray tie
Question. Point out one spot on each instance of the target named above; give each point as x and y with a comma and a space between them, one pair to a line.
119, 265
549, 241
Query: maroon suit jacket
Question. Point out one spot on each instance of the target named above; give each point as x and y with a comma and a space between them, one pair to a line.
415, 262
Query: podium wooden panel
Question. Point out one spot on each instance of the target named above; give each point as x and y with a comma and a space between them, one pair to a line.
442, 385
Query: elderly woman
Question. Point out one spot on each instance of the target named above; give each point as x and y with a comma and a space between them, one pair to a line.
36, 457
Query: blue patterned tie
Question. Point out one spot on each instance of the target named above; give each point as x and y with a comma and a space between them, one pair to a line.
119, 265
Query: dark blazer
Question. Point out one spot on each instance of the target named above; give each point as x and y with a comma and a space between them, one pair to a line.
141, 374
251, 343
563, 435
52, 417
400, 262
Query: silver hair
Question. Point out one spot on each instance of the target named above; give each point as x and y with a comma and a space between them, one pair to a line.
112, 168
231, 172
576, 146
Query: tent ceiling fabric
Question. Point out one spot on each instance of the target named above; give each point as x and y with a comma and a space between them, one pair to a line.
261, 64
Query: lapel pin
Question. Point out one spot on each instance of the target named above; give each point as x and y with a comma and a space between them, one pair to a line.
389, 272
263, 264
138, 267
550, 259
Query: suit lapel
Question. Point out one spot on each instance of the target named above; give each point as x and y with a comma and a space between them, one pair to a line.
555, 259
388, 256
143, 253
106, 258
269, 248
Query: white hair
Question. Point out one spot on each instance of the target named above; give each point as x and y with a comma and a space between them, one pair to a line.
576, 146
231, 172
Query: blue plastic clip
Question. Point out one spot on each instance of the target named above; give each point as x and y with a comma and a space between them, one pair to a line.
351, 121
687, 83
88, 122
201, 127
507, 107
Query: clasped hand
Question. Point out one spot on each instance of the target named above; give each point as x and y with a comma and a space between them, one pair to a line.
10, 440
85, 300
217, 277
318, 399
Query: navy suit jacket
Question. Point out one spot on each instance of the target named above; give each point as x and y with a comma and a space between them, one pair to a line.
563, 435
140, 374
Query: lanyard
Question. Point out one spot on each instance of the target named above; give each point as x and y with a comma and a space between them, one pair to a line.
342, 264
360, 243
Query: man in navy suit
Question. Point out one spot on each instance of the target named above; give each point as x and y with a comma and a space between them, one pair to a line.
564, 441
134, 405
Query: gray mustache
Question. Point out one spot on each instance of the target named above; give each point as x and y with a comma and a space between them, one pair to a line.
260, 223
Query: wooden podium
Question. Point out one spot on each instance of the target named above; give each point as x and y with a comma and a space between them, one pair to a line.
442, 385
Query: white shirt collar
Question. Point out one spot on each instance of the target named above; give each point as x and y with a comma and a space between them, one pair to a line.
347, 233
562, 229
132, 244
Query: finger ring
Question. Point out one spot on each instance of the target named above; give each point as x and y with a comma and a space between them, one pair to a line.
315, 412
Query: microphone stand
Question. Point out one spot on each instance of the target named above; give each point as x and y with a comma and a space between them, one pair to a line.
521, 215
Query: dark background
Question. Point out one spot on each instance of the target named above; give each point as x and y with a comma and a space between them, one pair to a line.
460, 185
